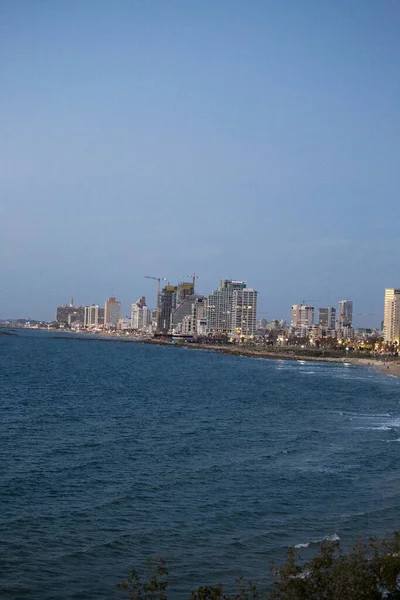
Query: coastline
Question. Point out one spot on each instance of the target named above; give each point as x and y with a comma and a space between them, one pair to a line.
385, 367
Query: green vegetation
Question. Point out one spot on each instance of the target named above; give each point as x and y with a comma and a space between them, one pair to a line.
369, 571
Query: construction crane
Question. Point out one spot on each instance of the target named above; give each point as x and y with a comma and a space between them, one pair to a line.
192, 277
159, 280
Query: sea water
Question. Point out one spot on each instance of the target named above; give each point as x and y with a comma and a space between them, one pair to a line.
111, 453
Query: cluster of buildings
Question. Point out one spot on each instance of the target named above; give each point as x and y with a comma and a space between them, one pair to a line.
228, 312
331, 323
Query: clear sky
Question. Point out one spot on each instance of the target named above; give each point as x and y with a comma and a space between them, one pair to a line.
243, 139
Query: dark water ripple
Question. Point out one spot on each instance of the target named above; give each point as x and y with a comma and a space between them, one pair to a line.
110, 453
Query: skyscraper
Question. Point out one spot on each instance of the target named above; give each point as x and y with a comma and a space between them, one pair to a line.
140, 314
345, 314
302, 319
112, 313
167, 307
391, 320
327, 318
244, 313
219, 306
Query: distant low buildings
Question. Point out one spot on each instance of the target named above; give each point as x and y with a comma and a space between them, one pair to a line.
124, 324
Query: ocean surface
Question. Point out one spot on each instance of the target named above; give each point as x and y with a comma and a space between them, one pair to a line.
114, 452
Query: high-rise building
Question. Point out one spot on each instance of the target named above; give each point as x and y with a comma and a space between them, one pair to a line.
112, 313
167, 307
302, 319
345, 315
219, 306
199, 317
327, 318
244, 313
391, 320
140, 315
94, 316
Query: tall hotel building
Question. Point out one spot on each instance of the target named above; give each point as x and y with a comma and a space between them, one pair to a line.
244, 313
391, 319
112, 313
219, 306
232, 309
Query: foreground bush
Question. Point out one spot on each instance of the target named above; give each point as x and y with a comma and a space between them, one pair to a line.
369, 571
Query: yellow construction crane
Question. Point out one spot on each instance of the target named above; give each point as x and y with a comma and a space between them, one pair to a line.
159, 280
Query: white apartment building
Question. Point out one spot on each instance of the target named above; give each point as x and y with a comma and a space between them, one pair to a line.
94, 316
140, 315
391, 319
302, 319
91, 316
219, 306
244, 313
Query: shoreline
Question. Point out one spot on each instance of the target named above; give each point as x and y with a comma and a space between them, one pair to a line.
390, 367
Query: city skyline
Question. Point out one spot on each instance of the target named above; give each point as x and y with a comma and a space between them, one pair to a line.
357, 320
175, 302
251, 139
229, 312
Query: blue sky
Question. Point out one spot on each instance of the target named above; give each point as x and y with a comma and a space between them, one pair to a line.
249, 139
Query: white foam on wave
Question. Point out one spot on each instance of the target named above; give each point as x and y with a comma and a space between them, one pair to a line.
379, 428
377, 422
333, 537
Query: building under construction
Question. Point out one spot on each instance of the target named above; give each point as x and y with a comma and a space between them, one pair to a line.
171, 298
167, 306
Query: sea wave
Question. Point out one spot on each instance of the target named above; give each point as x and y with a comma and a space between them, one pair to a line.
327, 538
